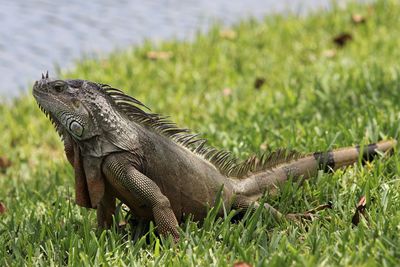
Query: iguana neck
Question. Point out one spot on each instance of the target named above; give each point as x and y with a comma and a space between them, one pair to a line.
117, 135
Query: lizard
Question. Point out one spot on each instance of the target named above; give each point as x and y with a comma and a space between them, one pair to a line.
120, 150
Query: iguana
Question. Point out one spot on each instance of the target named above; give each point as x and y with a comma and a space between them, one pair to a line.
162, 172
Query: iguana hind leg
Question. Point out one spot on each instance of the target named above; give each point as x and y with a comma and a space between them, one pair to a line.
123, 176
244, 203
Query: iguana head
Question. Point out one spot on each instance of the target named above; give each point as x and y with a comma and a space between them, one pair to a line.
72, 105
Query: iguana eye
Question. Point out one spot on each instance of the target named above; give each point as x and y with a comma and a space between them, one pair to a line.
59, 86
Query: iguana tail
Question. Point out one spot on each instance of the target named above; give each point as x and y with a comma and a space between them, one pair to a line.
257, 183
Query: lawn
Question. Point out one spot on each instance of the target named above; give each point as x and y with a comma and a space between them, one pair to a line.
260, 85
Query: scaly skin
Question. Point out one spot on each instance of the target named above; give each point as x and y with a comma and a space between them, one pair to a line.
159, 171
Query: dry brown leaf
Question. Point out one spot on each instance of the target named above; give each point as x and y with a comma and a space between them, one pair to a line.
227, 34
241, 264
155, 55
370, 10
330, 53
227, 91
123, 223
4, 162
358, 19
3, 208
259, 82
263, 146
342, 39
360, 211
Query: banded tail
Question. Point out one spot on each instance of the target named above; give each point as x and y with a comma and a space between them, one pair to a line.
308, 166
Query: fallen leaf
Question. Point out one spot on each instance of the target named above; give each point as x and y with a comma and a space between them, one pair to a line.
258, 82
241, 264
263, 146
122, 223
227, 34
154, 55
361, 204
2, 208
358, 19
360, 211
4, 162
330, 53
105, 63
227, 91
310, 58
342, 39
371, 10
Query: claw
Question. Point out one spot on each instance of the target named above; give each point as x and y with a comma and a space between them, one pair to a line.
309, 215
47, 74
298, 217
42, 75
328, 205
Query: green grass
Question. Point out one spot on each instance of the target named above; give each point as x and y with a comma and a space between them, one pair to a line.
310, 101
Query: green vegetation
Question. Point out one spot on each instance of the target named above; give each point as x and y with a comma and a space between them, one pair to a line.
316, 95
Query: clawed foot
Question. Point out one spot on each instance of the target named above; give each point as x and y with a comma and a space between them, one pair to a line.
298, 217
309, 215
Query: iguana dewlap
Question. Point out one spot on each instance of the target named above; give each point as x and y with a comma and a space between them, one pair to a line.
160, 171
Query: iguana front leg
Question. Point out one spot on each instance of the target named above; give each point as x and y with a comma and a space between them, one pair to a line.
120, 172
106, 208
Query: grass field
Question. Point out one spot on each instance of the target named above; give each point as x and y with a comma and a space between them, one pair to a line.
315, 95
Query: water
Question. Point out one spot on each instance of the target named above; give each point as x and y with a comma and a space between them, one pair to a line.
37, 35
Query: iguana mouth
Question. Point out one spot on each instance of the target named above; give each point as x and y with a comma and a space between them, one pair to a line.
39, 89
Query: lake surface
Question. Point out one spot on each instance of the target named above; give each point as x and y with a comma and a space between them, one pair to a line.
37, 35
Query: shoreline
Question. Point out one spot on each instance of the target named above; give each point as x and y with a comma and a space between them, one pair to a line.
74, 31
